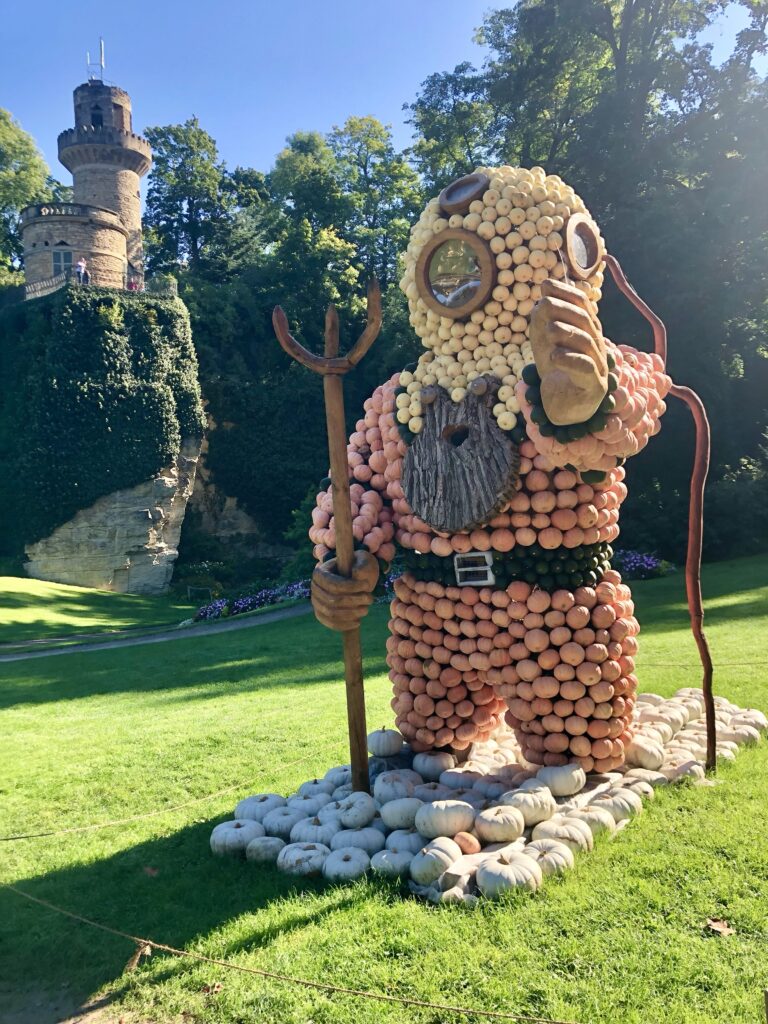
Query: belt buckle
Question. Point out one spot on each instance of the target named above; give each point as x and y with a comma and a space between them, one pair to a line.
474, 569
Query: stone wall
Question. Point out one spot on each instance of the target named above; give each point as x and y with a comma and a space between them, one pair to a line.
94, 233
126, 541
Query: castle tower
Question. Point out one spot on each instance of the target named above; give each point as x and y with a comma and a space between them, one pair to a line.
103, 221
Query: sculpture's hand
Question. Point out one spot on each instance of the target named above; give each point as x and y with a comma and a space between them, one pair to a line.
570, 354
340, 602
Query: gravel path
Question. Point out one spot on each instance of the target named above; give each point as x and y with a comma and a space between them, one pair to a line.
187, 633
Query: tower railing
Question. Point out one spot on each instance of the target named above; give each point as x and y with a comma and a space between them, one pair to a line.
162, 286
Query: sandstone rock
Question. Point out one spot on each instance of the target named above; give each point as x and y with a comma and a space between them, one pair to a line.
126, 541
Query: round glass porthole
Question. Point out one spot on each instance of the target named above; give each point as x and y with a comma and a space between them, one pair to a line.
455, 273
583, 245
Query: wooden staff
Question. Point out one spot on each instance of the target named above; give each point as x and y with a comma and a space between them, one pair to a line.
332, 368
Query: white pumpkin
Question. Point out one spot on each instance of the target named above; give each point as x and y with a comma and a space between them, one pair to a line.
280, 821
533, 800
303, 859
309, 805
264, 849
432, 764
753, 717
378, 822
469, 796
342, 791
460, 778
331, 812
741, 733
368, 839
621, 802
312, 830
491, 787
575, 833
392, 863
396, 784
563, 780
357, 810
256, 807
315, 786
346, 865
643, 789
404, 840
433, 859
552, 856
385, 742
501, 824
444, 818
429, 791
678, 769
599, 819
508, 871
339, 776
234, 836
400, 813
642, 752
650, 698
652, 778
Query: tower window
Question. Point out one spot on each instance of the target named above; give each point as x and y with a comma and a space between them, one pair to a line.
97, 118
61, 261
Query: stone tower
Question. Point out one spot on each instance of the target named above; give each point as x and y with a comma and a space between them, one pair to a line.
103, 221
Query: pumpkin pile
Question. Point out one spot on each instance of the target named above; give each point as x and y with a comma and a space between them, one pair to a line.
494, 823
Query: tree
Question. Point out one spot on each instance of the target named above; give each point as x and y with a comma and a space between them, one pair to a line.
384, 194
24, 179
187, 197
306, 182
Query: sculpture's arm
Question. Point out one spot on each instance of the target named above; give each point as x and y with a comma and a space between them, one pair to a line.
589, 404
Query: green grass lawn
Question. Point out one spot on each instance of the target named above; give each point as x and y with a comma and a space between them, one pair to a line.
35, 610
619, 940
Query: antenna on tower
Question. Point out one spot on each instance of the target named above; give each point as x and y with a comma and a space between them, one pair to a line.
95, 70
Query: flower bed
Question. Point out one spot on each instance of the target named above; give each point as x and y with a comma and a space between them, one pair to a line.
225, 607
634, 565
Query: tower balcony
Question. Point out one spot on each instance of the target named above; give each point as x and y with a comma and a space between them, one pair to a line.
104, 145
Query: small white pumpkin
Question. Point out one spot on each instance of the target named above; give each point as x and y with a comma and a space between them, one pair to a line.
508, 871
563, 780
309, 805
650, 698
264, 849
312, 830
256, 807
431, 765
385, 742
357, 810
378, 822
533, 799
501, 824
339, 776
460, 778
400, 813
342, 791
346, 865
234, 836
433, 859
652, 778
444, 818
368, 839
331, 812
643, 789
406, 840
305, 859
552, 856
392, 863
741, 733
575, 833
280, 821
429, 791
599, 819
396, 784
642, 752
315, 786
470, 796
622, 803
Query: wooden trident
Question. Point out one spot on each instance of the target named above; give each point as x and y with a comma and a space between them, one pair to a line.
332, 368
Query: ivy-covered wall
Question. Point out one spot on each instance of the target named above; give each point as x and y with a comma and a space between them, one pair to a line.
97, 390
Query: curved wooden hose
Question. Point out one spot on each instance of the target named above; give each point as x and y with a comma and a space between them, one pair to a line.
696, 505
693, 559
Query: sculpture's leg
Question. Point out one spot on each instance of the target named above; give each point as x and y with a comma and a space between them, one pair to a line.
571, 686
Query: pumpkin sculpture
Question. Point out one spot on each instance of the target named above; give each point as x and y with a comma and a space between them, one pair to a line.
496, 465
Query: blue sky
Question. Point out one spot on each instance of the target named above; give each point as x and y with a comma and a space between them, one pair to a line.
253, 72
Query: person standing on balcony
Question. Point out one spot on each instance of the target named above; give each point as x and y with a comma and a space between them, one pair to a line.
81, 269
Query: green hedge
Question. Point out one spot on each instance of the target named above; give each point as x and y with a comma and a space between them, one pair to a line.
97, 389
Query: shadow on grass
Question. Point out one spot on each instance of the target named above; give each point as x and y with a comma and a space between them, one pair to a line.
200, 668
171, 889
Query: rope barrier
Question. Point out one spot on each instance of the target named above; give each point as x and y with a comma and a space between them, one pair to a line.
142, 945
139, 817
